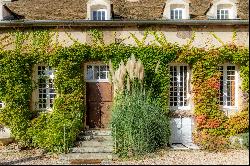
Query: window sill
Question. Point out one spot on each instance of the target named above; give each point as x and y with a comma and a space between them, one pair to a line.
97, 81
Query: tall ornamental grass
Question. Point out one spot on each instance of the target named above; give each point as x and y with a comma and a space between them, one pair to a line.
138, 123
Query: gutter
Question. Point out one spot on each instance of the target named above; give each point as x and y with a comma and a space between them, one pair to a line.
116, 23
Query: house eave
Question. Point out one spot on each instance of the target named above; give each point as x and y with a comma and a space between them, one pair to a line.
117, 23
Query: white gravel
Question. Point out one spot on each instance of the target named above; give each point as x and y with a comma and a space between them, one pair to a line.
193, 157
169, 157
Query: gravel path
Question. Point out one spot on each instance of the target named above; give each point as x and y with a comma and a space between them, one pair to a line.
170, 157
194, 157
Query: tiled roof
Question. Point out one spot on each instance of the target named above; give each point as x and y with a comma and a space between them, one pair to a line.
122, 9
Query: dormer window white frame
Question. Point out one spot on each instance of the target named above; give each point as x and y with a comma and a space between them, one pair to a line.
176, 9
176, 13
223, 13
223, 9
100, 14
98, 10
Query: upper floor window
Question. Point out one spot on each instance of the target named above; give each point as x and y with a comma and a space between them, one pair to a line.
46, 89
179, 87
223, 9
98, 10
228, 86
97, 73
177, 13
176, 9
100, 14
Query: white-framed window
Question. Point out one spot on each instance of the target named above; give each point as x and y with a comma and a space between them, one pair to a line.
176, 9
46, 90
98, 10
176, 13
225, 11
179, 87
223, 14
228, 86
100, 14
97, 73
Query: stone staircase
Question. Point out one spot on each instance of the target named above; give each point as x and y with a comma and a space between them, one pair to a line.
92, 147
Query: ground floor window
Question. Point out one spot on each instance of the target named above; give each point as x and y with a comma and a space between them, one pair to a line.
179, 86
228, 86
46, 89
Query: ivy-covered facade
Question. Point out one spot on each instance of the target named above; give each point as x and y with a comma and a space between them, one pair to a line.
48, 78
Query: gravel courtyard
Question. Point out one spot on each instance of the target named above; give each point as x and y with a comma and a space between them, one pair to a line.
170, 157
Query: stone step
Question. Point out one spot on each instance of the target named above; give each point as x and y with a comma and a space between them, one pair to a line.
86, 156
97, 132
92, 143
90, 162
95, 138
94, 149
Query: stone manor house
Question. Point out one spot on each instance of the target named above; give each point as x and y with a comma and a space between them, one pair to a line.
118, 19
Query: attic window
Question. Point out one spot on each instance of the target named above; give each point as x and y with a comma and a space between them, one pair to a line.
98, 10
224, 11
100, 14
177, 11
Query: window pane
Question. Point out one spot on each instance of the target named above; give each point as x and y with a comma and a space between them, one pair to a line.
176, 14
180, 14
90, 73
227, 16
103, 15
103, 72
94, 15
172, 14
99, 15
96, 72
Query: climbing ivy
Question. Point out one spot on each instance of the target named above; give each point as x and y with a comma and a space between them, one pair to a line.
56, 131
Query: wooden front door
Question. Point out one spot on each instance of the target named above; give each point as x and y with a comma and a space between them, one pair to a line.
99, 96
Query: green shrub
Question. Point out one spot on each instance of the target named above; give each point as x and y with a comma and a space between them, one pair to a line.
245, 137
57, 132
238, 123
139, 125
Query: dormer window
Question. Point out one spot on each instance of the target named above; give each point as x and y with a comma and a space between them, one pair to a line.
98, 10
223, 9
177, 12
176, 9
100, 14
